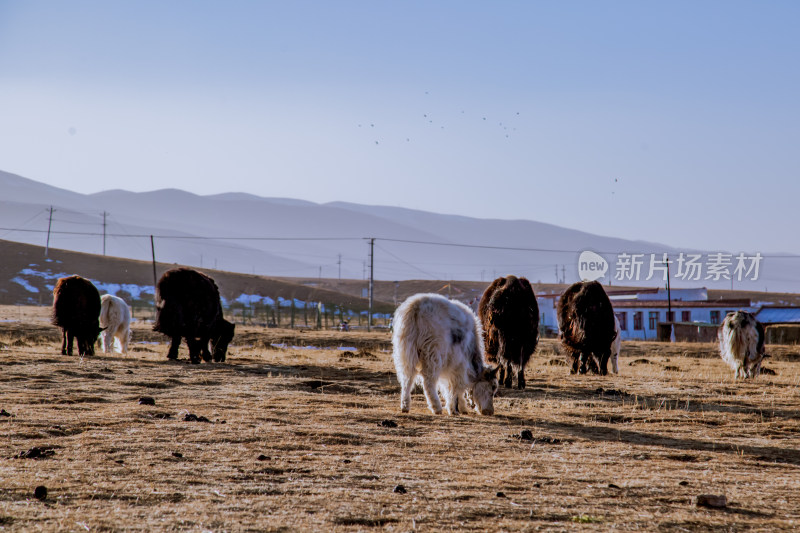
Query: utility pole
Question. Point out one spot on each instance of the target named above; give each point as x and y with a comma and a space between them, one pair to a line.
557, 274
669, 297
339, 262
563, 274
49, 224
104, 232
371, 281
153, 252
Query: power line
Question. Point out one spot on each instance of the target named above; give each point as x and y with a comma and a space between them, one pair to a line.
406, 241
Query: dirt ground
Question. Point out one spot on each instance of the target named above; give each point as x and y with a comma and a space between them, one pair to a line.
300, 437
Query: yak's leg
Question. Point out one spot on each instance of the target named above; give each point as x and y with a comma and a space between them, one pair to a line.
572, 361
204, 352
63, 342
195, 348
521, 378
757, 367
431, 394
124, 340
508, 375
462, 403
501, 373
174, 344
70, 340
451, 399
603, 363
406, 384
108, 341
584, 360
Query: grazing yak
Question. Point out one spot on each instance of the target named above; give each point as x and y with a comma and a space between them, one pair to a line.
510, 317
188, 306
115, 319
586, 320
741, 343
76, 310
616, 345
440, 341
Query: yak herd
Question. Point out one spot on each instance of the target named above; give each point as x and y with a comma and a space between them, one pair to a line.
440, 343
188, 307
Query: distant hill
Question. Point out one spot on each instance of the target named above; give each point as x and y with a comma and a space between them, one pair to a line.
283, 237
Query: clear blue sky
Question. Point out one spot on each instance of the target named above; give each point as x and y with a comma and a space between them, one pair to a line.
675, 122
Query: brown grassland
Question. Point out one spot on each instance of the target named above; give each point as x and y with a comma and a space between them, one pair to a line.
295, 441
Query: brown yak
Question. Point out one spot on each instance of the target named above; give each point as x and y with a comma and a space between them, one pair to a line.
586, 320
76, 310
510, 317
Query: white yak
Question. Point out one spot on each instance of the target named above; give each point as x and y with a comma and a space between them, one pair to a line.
440, 341
115, 317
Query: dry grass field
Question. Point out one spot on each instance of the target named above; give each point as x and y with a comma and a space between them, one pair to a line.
303, 439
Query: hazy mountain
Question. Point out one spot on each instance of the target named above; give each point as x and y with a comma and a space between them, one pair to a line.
286, 237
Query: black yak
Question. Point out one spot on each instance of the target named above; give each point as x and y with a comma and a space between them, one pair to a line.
188, 306
76, 310
741, 343
586, 320
510, 317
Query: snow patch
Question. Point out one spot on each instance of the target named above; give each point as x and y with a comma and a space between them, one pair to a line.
25, 285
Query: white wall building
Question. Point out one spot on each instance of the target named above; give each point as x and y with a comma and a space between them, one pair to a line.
640, 311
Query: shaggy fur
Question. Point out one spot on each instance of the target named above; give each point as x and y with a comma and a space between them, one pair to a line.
510, 317
741, 344
586, 320
188, 306
616, 346
115, 319
440, 342
76, 310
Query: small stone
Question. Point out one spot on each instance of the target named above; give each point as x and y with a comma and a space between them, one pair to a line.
388, 423
346, 461
3, 412
500, 494
263, 457
714, 501
400, 489
177, 454
36, 453
613, 486
40, 493
526, 434
190, 417
537, 485
147, 400
683, 483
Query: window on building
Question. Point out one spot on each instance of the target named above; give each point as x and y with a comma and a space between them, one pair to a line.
714, 317
670, 316
686, 316
652, 320
623, 320
637, 321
